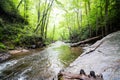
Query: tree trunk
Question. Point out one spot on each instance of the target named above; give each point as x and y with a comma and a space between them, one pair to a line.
89, 5
44, 19
53, 32
19, 4
96, 22
106, 16
90, 28
46, 25
25, 9
84, 41
38, 11
81, 18
78, 21
101, 19
87, 10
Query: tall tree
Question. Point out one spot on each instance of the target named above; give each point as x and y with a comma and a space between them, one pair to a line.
19, 4
106, 16
43, 22
87, 10
25, 9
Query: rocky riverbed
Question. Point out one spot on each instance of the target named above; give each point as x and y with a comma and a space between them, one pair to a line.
102, 57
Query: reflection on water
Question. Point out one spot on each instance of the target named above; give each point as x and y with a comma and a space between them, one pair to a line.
42, 65
68, 54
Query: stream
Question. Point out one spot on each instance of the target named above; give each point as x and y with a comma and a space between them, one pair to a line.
39, 64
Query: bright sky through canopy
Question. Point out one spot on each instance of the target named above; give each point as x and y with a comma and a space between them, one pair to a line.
56, 16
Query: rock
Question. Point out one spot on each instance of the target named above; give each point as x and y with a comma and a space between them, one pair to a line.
104, 59
4, 56
18, 51
33, 46
37, 45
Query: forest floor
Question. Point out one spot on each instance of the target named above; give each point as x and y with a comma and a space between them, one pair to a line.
102, 57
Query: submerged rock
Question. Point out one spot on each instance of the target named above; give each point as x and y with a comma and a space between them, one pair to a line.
104, 58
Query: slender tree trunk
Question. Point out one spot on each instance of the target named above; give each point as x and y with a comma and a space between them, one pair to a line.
38, 12
78, 18
69, 28
46, 25
87, 10
44, 19
90, 27
101, 19
106, 16
19, 4
96, 22
81, 18
53, 32
78, 22
25, 9
89, 5
80, 15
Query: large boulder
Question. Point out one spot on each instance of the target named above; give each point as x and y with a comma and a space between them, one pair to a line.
102, 57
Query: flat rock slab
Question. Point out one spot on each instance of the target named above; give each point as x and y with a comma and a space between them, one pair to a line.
104, 59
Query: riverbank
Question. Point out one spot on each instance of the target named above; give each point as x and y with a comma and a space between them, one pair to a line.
102, 57
7, 53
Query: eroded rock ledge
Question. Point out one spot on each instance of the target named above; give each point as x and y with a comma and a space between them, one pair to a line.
104, 59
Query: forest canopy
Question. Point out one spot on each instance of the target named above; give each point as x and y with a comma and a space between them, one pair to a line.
51, 20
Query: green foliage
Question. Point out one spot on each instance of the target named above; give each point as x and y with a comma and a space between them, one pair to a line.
8, 6
10, 31
9, 12
78, 20
84, 33
89, 18
28, 40
2, 46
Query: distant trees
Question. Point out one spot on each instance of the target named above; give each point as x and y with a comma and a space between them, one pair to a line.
82, 18
93, 18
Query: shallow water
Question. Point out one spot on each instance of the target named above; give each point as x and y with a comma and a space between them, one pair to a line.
39, 64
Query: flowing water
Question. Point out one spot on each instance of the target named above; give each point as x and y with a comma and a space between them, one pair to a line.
39, 64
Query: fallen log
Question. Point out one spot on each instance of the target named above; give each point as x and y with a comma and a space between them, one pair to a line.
85, 41
93, 49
